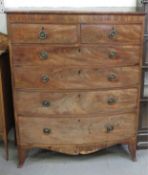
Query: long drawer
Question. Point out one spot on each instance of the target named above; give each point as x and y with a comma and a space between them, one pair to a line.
90, 130
110, 33
44, 33
48, 103
106, 55
75, 77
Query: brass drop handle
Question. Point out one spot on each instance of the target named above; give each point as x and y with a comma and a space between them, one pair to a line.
113, 33
44, 55
112, 100
109, 128
43, 34
112, 77
45, 78
112, 54
45, 103
47, 131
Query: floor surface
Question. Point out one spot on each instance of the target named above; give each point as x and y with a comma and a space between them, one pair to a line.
112, 161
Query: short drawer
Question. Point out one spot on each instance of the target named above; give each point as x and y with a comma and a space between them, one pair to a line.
51, 78
46, 33
89, 130
111, 33
105, 55
48, 103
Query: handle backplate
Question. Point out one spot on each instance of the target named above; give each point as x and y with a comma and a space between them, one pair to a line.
112, 77
42, 34
47, 131
43, 55
45, 78
112, 100
112, 54
45, 103
113, 34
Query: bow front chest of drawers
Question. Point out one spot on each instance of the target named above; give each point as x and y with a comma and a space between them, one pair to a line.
76, 79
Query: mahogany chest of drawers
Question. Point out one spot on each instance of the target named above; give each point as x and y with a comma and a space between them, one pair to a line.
76, 79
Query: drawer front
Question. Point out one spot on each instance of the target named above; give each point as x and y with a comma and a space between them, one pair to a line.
76, 130
75, 78
108, 33
70, 56
46, 103
46, 33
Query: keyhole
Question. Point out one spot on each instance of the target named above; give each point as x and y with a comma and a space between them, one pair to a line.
79, 72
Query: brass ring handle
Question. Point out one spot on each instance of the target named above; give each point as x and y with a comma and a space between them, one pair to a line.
112, 77
46, 130
113, 33
43, 34
112, 54
43, 55
45, 78
45, 103
111, 100
109, 128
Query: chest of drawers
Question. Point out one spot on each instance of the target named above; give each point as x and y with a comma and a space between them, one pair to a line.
6, 112
76, 79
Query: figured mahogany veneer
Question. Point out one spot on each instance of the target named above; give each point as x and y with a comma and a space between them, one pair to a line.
101, 33
46, 103
76, 79
29, 33
109, 55
51, 78
77, 130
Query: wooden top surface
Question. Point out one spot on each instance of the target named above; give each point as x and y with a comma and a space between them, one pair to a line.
84, 10
3, 43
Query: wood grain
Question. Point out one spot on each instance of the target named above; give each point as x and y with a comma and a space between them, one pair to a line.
74, 77
6, 112
31, 103
3, 43
99, 55
100, 33
75, 130
74, 19
86, 90
29, 33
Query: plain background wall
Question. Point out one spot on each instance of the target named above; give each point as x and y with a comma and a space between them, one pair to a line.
3, 24
68, 3
61, 3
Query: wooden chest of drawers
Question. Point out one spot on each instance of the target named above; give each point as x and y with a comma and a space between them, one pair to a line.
76, 79
6, 111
